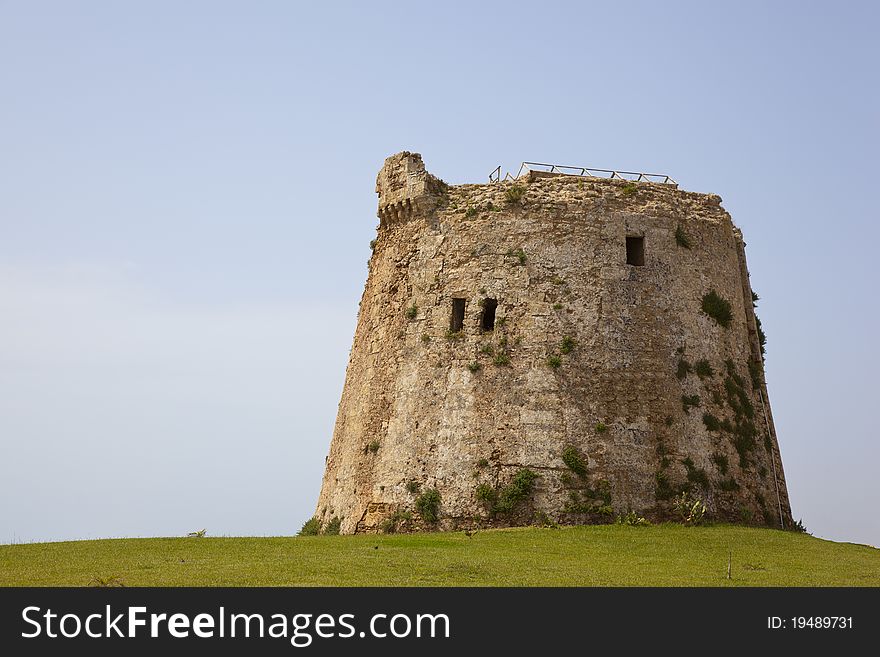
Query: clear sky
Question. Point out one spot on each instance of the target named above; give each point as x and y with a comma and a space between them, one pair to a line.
187, 199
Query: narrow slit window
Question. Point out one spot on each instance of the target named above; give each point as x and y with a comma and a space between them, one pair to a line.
487, 320
457, 320
635, 251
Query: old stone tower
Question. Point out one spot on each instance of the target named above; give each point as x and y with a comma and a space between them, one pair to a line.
552, 348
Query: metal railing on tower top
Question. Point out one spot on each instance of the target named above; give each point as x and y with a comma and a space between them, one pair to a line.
635, 176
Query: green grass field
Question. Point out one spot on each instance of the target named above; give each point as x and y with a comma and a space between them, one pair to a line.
609, 555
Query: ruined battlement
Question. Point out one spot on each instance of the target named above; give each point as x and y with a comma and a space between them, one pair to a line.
405, 188
552, 347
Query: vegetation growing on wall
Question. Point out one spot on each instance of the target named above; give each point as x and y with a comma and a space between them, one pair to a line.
756, 374
514, 194
582, 498
691, 510
504, 500
695, 475
663, 489
574, 461
717, 308
311, 527
684, 368
632, 519
712, 423
395, 521
728, 485
587, 500
743, 427
689, 401
501, 354
664, 459
681, 237
762, 337
721, 462
428, 505
703, 368
737, 397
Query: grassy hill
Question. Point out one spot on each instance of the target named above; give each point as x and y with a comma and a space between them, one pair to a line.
609, 555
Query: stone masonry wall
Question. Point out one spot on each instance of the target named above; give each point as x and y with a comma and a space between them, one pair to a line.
588, 354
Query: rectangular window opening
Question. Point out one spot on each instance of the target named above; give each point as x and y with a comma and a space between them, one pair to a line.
635, 251
487, 320
457, 321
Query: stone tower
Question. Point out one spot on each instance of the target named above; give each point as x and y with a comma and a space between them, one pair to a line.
554, 348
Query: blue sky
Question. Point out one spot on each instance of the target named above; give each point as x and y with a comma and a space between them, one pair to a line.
187, 198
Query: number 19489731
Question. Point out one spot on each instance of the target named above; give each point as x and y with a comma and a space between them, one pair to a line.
810, 622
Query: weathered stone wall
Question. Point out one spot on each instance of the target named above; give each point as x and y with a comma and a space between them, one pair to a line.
588, 352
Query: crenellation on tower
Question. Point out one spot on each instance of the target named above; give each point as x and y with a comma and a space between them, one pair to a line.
540, 349
405, 188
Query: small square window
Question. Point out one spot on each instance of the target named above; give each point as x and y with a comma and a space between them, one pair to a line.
635, 251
